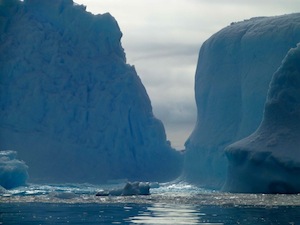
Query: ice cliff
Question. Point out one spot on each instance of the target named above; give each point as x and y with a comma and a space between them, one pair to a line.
69, 103
268, 161
235, 67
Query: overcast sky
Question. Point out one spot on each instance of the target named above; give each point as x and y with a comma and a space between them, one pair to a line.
162, 39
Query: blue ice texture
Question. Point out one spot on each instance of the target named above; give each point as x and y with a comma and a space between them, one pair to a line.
13, 172
69, 102
77, 112
234, 71
268, 160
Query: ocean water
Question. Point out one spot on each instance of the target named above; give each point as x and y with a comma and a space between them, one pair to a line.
170, 203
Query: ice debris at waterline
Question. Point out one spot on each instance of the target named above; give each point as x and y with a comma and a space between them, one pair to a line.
13, 172
234, 70
268, 161
69, 102
130, 188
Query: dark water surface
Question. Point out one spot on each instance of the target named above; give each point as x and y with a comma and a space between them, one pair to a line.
168, 204
132, 213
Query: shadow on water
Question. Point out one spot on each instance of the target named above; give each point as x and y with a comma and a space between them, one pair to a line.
157, 213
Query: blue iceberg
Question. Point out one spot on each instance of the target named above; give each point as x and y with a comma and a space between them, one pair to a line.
70, 103
268, 161
13, 172
234, 70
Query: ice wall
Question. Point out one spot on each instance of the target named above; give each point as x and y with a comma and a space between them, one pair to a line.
268, 161
69, 103
13, 172
234, 70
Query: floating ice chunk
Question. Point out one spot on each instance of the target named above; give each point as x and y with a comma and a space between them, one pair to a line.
131, 188
63, 195
2, 190
154, 185
13, 172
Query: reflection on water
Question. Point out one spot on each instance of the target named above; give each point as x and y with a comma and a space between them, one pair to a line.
167, 214
147, 214
216, 215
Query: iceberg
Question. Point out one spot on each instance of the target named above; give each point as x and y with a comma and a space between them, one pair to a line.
69, 102
268, 161
13, 172
235, 67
